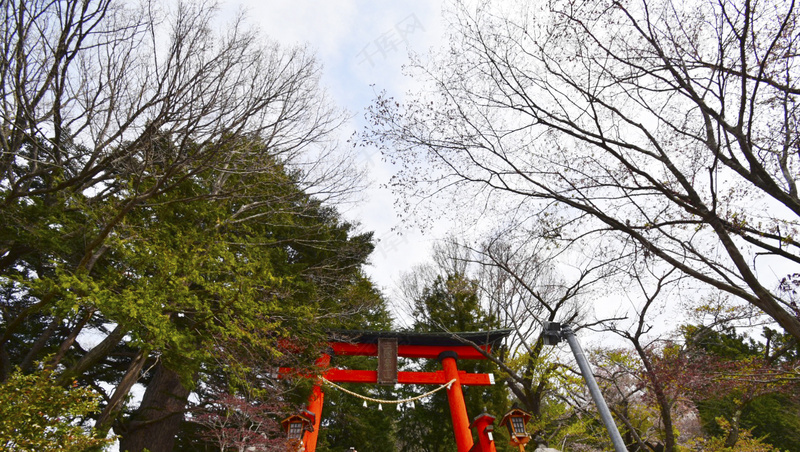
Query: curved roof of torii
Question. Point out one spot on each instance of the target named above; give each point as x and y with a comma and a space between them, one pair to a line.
479, 338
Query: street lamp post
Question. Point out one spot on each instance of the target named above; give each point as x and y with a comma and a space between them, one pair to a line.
553, 333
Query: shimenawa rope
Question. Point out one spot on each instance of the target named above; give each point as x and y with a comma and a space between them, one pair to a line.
373, 400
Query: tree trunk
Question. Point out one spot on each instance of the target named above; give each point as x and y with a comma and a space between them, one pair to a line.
117, 400
156, 422
733, 435
664, 404
94, 355
5, 363
37, 346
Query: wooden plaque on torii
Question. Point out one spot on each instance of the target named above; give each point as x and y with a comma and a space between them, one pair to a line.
387, 361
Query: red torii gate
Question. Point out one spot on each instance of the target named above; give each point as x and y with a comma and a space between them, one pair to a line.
388, 346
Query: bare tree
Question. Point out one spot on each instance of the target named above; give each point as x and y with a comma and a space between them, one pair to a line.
526, 281
520, 286
448, 258
661, 126
643, 348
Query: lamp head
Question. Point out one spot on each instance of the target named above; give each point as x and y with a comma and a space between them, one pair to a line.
551, 333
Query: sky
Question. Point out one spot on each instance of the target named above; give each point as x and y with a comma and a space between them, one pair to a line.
362, 46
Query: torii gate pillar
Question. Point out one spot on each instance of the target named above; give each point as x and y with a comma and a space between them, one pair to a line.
315, 406
455, 397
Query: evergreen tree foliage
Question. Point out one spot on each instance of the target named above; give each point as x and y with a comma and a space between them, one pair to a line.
183, 282
164, 195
